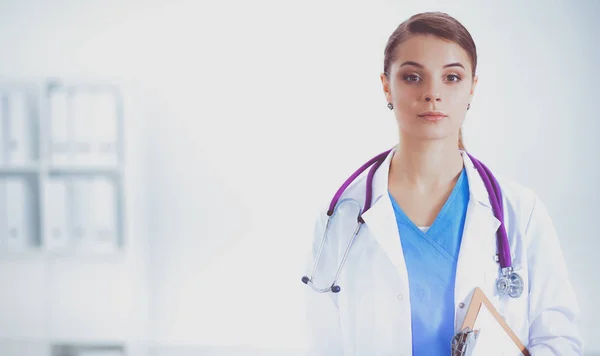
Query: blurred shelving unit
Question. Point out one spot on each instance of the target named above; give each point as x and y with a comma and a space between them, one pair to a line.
61, 168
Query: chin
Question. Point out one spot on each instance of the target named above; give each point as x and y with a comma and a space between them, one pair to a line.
433, 134
426, 130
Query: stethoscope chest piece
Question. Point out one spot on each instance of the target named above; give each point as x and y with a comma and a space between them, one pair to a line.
510, 284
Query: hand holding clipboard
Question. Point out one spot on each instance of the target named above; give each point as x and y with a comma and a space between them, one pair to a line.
485, 332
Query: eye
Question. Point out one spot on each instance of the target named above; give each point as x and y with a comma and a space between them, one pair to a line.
411, 78
453, 76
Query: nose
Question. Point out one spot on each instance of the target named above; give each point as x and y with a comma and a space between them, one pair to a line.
429, 97
431, 92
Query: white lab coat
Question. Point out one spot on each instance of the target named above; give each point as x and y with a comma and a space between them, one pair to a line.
371, 315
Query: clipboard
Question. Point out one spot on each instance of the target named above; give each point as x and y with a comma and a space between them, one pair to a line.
485, 332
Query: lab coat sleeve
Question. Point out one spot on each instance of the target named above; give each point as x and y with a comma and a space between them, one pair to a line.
553, 308
322, 311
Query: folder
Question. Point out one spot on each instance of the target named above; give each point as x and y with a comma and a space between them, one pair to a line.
20, 129
105, 123
82, 134
485, 332
3, 126
79, 210
59, 124
55, 203
3, 215
104, 227
18, 208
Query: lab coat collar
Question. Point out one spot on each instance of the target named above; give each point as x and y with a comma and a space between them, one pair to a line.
381, 220
476, 186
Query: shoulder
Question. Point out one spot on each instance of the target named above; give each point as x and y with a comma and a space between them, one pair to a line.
515, 192
526, 210
518, 200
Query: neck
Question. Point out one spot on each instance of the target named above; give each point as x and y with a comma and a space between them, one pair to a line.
426, 165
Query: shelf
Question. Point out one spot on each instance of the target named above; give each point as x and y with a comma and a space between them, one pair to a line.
34, 168
69, 136
30, 168
83, 170
116, 255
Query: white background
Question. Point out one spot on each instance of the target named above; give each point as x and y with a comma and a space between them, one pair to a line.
244, 117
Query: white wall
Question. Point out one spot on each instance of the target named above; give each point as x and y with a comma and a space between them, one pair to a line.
246, 116
72, 299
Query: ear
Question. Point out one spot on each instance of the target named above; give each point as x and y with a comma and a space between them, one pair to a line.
386, 87
475, 79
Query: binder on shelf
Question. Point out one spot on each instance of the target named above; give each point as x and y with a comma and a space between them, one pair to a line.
3, 215
60, 149
105, 123
20, 129
79, 209
56, 234
19, 213
104, 205
485, 333
82, 134
3, 125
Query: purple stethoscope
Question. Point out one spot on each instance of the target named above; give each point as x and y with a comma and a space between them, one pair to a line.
509, 282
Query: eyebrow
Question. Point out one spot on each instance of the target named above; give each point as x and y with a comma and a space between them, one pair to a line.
411, 63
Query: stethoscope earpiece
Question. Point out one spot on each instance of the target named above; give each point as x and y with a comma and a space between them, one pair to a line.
334, 288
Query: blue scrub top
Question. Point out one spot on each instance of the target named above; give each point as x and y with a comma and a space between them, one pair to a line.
431, 259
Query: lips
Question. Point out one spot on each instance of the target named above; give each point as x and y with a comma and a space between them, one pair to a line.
432, 115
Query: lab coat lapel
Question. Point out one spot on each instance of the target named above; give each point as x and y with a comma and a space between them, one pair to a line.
381, 219
479, 236
478, 246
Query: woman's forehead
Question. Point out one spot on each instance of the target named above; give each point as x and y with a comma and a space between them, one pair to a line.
430, 51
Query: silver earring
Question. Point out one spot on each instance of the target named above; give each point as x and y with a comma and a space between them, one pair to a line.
390, 106
468, 106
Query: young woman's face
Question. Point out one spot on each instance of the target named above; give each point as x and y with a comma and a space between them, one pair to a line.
429, 74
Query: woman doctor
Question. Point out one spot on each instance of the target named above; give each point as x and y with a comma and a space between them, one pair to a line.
429, 237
